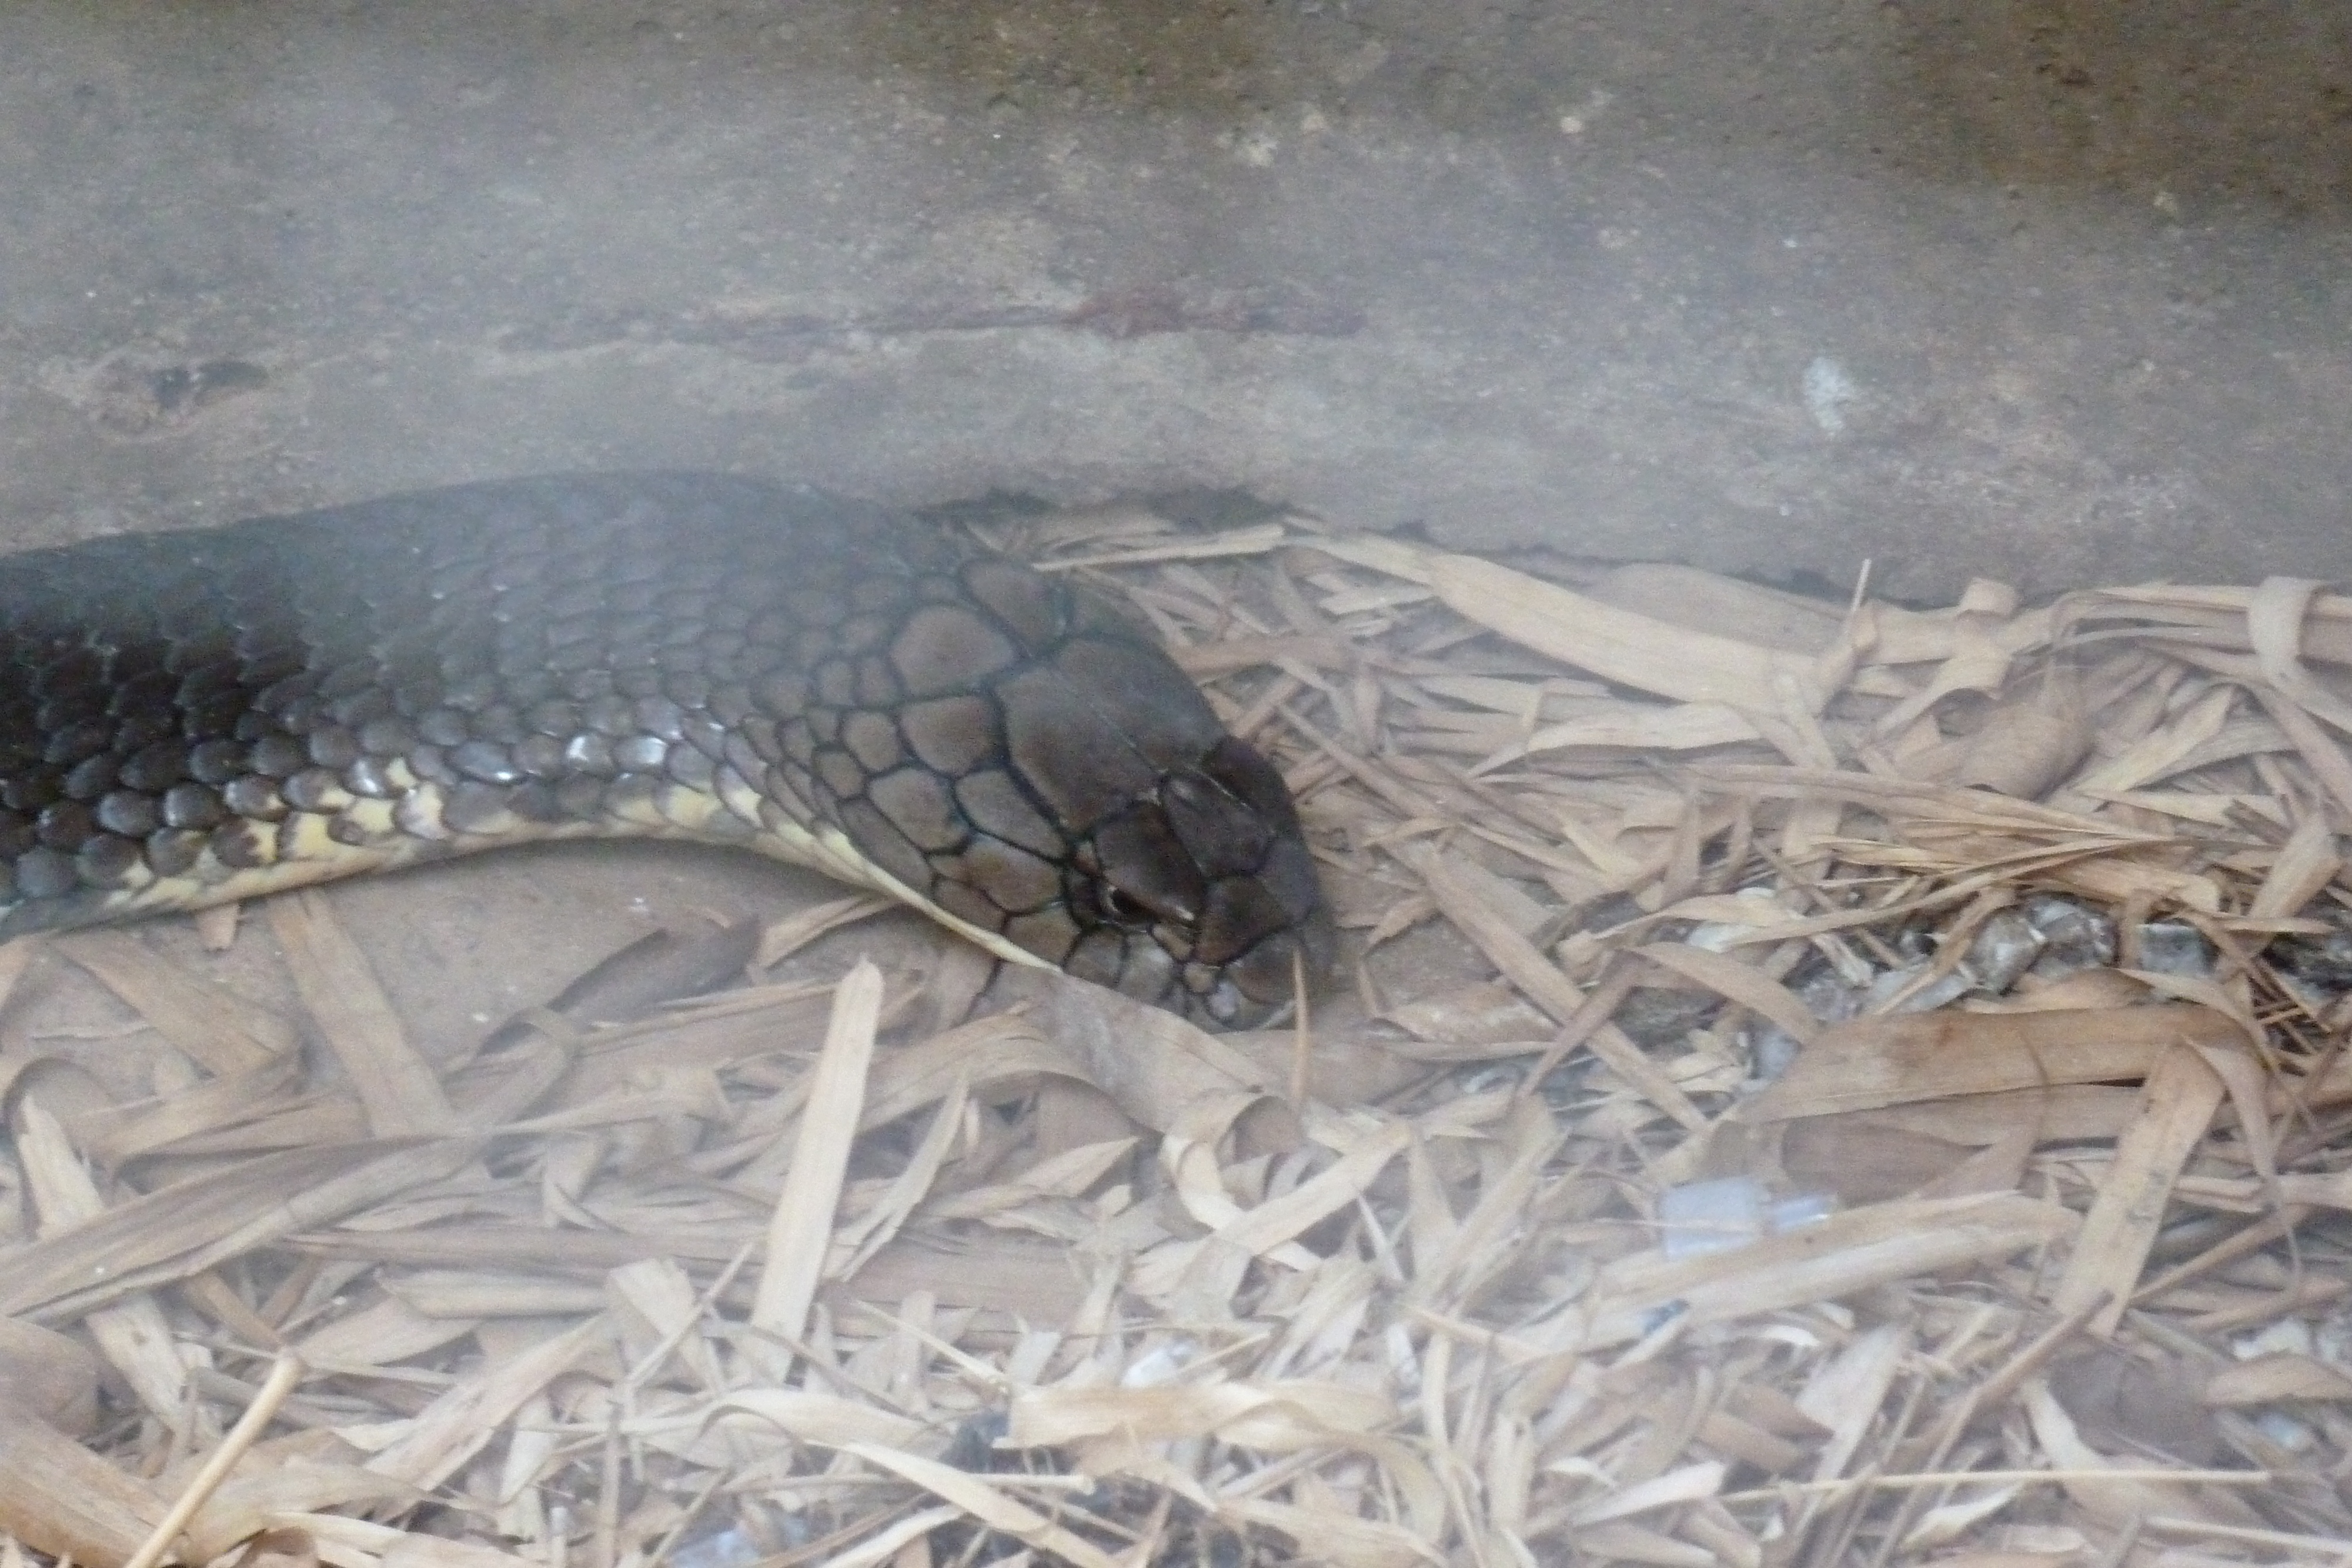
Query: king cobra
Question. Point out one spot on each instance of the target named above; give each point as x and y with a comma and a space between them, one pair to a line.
194, 716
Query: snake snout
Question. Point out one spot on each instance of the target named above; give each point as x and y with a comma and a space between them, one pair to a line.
1261, 988
1213, 873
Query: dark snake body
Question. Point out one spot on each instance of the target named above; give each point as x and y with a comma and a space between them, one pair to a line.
193, 716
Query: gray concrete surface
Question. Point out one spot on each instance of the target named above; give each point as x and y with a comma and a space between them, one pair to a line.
2055, 292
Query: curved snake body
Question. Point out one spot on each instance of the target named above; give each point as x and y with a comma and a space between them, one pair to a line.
193, 716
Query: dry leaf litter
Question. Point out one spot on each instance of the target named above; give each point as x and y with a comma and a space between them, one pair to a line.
1824, 1086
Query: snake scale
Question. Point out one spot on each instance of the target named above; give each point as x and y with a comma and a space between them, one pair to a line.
198, 716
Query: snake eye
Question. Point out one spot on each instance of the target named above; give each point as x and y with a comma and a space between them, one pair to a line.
1120, 908
1147, 873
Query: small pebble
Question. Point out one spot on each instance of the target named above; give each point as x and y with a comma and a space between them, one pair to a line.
2074, 938
2176, 947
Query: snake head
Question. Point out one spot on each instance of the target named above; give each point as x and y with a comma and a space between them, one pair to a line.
1030, 762
1204, 894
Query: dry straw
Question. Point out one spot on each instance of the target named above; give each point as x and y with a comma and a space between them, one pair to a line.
1671, 887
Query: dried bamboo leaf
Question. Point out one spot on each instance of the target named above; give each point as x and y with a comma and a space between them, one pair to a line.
396, 1085
2027, 743
1736, 981
1978, 660
116, 1136
1255, 539
653, 1300
2274, 621
1205, 661
2177, 1106
249, 1503
1270, 1223
47, 1376
132, 1334
17, 955
1709, 602
788, 936
58, 1497
1845, 1393
465, 1417
2112, 1500
822, 1418
1620, 1542
1618, 646
417, 1550
470, 1295
187, 1228
2157, 755
656, 969
2307, 863
1273, 1418
2276, 1378
379, 1334
2068, 1113
1870, 1062
802, 1225
1688, 1484
212, 1025
1845, 1253
986, 1503
1341, 1540
1686, 727
1545, 985
855, 1242
2324, 756
1149, 1061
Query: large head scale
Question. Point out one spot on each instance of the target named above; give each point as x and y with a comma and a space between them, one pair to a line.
1066, 789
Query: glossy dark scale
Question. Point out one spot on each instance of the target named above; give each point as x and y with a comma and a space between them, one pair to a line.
201, 714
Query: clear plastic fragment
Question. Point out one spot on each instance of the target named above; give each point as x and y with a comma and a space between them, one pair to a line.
1704, 1217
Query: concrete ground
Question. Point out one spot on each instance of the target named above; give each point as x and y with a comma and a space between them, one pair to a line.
2052, 291
2055, 292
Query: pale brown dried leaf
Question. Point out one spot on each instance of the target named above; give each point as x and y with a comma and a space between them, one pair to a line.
399, 1089
211, 1023
801, 1228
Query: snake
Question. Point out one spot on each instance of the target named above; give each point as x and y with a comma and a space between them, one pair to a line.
201, 714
